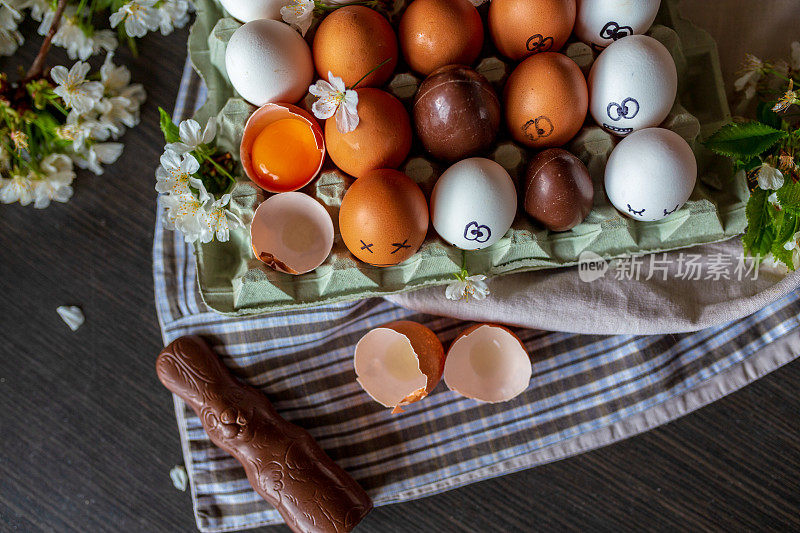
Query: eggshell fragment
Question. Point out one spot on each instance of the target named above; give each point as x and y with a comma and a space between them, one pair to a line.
435, 33
525, 27
268, 61
381, 140
487, 363
351, 42
292, 233
399, 363
247, 10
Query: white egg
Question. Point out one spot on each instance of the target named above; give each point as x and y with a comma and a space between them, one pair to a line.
473, 203
650, 174
601, 22
247, 10
632, 85
268, 61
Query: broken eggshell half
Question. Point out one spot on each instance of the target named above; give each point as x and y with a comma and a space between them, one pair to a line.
399, 363
292, 233
263, 117
488, 363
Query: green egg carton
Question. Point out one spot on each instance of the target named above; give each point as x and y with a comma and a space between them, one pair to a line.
233, 282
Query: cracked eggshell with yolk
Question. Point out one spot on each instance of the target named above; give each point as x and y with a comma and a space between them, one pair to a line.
292, 233
487, 363
473, 203
650, 174
399, 363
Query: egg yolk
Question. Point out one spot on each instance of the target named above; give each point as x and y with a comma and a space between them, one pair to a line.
285, 154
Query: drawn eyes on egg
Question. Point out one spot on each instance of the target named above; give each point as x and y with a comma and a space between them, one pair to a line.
615, 32
638, 213
476, 232
539, 43
627, 109
538, 128
397, 246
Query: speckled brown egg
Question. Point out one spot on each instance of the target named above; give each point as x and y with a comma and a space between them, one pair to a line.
521, 28
546, 100
383, 218
435, 33
456, 113
558, 190
381, 140
352, 41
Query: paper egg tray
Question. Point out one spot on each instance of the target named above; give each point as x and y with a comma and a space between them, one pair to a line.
233, 282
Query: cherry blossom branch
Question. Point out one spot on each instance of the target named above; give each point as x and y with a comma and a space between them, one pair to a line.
37, 69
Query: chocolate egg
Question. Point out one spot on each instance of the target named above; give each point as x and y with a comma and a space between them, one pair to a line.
521, 28
456, 113
383, 218
558, 190
353, 40
435, 33
381, 140
546, 100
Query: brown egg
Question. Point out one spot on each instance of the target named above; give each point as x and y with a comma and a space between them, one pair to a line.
546, 100
353, 40
558, 190
381, 140
435, 33
456, 113
521, 28
383, 218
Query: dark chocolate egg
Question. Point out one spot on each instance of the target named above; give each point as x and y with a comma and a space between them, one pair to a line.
456, 113
558, 190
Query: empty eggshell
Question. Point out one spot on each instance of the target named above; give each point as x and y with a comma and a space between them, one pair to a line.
435, 33
473, 203
524, 27
399, 363
650, 174
632, 85
292, 233
601, 22
546, 100
488, 363
268, 61
247, 10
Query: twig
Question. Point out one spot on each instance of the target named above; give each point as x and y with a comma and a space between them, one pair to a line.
37, 69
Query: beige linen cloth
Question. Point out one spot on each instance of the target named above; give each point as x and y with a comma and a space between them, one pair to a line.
559, 300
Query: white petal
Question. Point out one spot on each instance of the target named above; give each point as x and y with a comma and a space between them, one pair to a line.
211, 131
190, 132
456, 290
322, 88
336, 82
72, 316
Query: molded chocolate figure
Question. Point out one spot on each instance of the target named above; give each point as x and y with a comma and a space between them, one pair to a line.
282, 461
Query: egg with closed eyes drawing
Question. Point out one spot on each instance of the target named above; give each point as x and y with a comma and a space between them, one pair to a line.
650, 174
632, 85
473, 203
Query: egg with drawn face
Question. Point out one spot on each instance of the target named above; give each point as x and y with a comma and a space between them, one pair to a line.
383, 218
632, 85
473, 203
602, 22
650, 174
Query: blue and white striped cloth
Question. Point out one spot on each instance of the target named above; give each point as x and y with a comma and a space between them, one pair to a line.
586, 391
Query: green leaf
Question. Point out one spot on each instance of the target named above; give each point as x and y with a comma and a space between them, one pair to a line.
766, 115
789, 194
760, 231
168, 128
744, 140
785, 228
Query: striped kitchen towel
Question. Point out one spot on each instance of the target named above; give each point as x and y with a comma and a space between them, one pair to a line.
587, 390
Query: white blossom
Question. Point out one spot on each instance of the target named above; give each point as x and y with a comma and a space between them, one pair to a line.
219, 221
10, 37
752, 72
139, 17
115, 114
794, 246
770, 178
185, 213
192, 136
72, 316
335, 99
299, 14
175, 174
77, 93
97, 154
173, 14
17, 188
56, 183
470, 287
773, 199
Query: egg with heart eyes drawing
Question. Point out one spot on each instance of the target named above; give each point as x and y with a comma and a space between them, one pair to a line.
473, 204
383, 218
632, 85
650, 174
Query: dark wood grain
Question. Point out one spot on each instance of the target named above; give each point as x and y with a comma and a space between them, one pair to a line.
88, 435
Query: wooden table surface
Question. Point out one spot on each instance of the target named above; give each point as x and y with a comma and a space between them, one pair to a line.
88, 435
